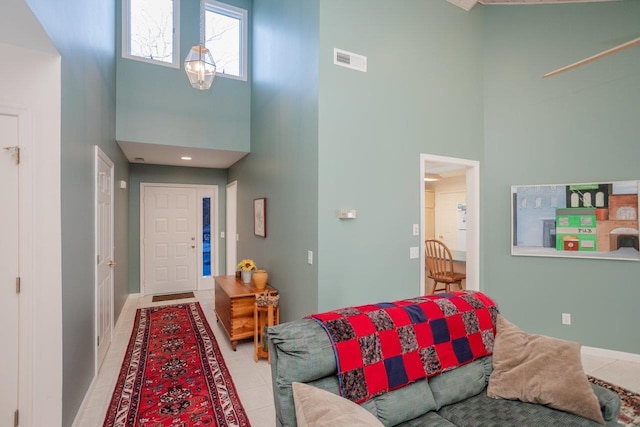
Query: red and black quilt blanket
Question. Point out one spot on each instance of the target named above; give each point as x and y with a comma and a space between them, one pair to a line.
382, 347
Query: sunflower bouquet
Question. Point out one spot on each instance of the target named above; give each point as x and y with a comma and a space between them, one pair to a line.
246, 265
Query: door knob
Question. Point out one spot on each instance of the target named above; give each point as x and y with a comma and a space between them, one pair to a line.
111, 264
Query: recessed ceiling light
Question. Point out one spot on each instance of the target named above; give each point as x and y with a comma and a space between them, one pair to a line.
429, 177
185, 158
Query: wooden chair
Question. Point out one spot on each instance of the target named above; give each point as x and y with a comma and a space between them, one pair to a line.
439, 266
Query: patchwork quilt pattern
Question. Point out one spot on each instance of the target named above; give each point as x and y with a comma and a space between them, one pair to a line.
381, 347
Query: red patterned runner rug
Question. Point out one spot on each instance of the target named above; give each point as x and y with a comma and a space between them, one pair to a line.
173, 374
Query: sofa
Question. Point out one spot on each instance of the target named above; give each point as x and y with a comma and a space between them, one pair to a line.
302, 352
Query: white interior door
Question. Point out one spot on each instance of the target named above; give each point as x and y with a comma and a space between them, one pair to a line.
447, 217
169, 239
232, 230
9, 270
104, 253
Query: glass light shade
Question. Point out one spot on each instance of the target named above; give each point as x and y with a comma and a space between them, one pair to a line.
200, 68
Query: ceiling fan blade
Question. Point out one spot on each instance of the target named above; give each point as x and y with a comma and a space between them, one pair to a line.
634, 42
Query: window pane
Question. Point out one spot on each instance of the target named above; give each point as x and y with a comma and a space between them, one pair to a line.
223, 40
151, 26
206, 237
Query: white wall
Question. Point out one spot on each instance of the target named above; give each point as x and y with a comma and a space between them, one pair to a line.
30, 82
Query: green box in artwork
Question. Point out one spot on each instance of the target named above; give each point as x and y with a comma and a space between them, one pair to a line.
576, 229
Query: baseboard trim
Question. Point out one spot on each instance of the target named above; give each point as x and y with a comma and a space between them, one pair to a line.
612, 354
131, 299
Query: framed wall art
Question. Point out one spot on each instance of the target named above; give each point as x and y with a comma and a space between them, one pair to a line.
593, 220
260, 217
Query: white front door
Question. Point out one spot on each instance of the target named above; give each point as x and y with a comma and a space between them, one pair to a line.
9, 269
447, 217
232, 242
104, 253
170, 239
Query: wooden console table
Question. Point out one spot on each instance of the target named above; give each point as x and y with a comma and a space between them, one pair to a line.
234, 301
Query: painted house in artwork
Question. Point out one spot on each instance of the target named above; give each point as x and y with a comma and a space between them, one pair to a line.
593, 220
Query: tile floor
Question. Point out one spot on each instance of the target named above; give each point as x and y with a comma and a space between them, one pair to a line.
253, 380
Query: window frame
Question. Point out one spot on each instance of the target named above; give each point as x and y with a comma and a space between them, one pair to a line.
126, 37
242, 15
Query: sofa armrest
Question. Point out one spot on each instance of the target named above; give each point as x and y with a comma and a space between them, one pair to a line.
610, 403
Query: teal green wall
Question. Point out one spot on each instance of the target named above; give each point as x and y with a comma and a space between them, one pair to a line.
156, 104
84, 34
422, 93
580, 126
140, 173
283, 164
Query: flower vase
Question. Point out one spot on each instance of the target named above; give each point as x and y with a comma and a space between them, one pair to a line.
246, 276
260, 278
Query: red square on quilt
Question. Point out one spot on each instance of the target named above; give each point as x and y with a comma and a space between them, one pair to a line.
362, 324
477, 345
399, 316
432, 311
390, 343
456, 326
376, 378
325, 317
349, 355
424, 335
484, 319
484, 299
446, 355
367, 308
461, 304
413, 366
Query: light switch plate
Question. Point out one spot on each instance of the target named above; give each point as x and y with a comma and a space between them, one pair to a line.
310, 257
416, 229
414, 252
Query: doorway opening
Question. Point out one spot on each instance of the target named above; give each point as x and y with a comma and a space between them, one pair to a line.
458, 193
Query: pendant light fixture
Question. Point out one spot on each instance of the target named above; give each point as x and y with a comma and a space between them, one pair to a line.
199, 64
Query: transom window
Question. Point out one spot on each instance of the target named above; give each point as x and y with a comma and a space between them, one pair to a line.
151, 31
226, 38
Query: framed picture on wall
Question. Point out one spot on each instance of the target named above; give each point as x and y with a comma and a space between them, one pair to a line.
260, 217
592, 220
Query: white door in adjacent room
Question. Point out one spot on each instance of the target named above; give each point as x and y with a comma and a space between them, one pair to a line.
104, 253
9, 269
447, 217
170, 242
232, 230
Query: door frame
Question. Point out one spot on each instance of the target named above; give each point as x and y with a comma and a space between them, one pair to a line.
232, 229
25, 259
472, 168
202, 283
100, 155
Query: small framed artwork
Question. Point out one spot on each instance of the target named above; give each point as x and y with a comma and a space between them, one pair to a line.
260, 217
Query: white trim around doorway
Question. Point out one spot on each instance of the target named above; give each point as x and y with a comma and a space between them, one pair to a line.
473, 218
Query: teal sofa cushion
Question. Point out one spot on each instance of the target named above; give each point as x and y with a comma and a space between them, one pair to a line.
459, 384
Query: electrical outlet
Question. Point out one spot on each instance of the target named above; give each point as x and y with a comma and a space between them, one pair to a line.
566, 318
222, 234
310, 257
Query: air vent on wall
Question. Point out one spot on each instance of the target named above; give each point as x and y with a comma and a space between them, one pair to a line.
138, 159
350, 60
